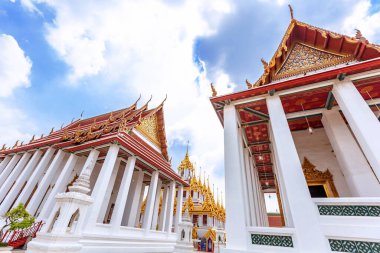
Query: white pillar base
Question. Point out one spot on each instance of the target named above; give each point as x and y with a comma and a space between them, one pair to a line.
45, 243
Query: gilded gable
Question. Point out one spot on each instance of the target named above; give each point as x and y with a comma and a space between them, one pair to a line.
303, 58
149, 128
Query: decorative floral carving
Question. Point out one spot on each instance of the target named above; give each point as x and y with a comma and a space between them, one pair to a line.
149, 128
314, 176
303, 58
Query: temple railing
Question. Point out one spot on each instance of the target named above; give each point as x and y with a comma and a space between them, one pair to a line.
282, 239
351, 224
358, 207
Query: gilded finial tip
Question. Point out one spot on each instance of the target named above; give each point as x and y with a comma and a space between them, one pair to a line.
249, 85
291, 11
213, 90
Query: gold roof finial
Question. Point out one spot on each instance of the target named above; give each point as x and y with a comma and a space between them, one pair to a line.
291, 11
264, 62
3, 148
16, 144
358, 34
52, 130
32, 138
214, 93
249, 85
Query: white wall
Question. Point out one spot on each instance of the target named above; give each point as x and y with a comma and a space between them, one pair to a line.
316, 147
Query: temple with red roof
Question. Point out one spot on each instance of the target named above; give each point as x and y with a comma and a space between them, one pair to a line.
87, 181
307, 131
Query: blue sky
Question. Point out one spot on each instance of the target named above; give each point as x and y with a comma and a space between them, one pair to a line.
62, 58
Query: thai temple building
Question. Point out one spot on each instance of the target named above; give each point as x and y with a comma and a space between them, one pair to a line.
206, 210
87, 182
307, 130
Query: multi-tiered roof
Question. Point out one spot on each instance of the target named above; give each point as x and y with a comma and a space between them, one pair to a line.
139, 130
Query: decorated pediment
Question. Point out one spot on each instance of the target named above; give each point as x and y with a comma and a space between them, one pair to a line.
303, 58
149, 128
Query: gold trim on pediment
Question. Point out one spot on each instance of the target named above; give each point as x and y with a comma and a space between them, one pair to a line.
149, 128
303, 58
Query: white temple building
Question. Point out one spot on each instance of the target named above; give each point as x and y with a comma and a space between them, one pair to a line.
87, 181
308, 130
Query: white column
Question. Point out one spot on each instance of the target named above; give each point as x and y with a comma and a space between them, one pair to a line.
11, 178
100, 188
148, 214
4, 163
162, 218
35, 177
178, 213
249, 185
284, 200
139, 205
122, 195
109, 190
156, 205
354, 166
235, 202
17, 186
253, 179
170, 208
363, 122
134, 201
8, 169
310, 236
59, 186
46, 180
135, 189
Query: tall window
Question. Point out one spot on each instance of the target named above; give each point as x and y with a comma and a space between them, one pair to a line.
204, 220
195, 219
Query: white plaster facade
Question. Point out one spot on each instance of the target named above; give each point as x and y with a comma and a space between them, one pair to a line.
347, 150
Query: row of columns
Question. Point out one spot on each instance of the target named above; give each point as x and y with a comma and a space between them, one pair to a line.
42, 175
299, 210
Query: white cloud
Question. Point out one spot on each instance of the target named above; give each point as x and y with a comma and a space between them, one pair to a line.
15, 66
147, 47
15, 125
361, 18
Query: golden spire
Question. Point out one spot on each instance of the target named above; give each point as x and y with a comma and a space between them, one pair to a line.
214, 93
186, 164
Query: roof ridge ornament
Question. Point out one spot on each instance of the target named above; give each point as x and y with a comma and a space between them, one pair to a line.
264, 62
214, 93
249, 85
359, 36
291, 11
